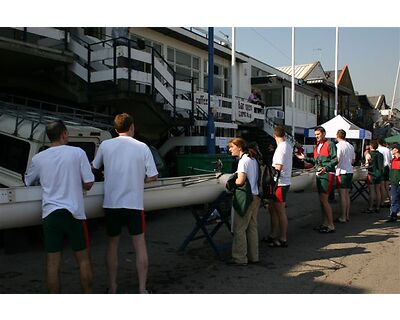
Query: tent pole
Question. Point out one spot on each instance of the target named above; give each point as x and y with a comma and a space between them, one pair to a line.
362, 149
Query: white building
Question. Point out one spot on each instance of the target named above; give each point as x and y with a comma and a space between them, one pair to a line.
159, 75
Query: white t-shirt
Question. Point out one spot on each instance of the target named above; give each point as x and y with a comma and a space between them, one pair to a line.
60, 171
284, 155
127, 162
345, 155
250, 167
387, 156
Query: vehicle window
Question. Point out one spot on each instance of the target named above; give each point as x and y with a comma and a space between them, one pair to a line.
88, 147
14, 153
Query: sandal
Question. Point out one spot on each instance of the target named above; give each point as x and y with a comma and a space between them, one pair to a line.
278, 244
326, 230
268, 239
339, 221
317, 228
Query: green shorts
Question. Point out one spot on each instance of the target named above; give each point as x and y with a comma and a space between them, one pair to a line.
344, 181
325, 182
385, 174
372, 179
132, 218
61, 224
280, 194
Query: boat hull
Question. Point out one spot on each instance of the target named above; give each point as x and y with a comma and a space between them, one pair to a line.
22, 206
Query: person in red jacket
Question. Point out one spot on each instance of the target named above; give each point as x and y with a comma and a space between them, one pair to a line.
325, 160
394, 177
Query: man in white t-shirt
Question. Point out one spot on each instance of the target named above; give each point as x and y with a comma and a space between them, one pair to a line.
282, 161
128, 164
63, 173
387, 159
344, 173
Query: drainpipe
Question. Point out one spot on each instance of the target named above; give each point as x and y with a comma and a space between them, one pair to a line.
233, 75
210, 117
293, 93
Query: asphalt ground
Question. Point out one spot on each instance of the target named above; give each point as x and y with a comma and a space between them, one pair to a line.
362, 256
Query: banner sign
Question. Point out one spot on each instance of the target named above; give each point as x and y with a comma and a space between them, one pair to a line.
244, 112
201, 99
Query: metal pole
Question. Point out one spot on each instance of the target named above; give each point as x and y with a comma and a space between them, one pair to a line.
192, 100
210, 117
293, 92
153, 91
395, 87
336, 72
129, 67
233, 75
115, 63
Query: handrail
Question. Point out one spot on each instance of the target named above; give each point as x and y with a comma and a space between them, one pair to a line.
58, 110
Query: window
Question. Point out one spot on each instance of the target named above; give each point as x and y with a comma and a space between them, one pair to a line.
183, 59
221, 79
149, 43
256, 72
170, 55
14, 153
185, 65
196, 63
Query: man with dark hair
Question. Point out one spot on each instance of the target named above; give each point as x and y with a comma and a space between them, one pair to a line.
395, 183
128, 164
344, 173
63, 172
282, 161
325, 160
387, 158
375, 170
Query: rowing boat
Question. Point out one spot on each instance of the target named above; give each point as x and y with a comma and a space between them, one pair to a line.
22, 206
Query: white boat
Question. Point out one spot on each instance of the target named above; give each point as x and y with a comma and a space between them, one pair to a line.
302, 179
22, 206
360, 173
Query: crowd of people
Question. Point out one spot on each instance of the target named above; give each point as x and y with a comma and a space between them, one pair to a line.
333, 164
64, 173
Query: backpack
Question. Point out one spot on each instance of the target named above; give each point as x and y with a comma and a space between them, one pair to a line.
266, 183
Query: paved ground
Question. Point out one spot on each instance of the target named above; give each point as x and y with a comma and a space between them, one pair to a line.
363, 256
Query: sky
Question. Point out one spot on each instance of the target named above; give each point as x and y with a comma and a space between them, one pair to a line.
371, 53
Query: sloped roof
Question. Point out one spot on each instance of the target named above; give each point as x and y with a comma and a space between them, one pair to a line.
378, 102
344, 78
301, 71
364, 102
330, 75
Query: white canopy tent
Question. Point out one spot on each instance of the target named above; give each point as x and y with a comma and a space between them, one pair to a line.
352, 131
339, 122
